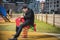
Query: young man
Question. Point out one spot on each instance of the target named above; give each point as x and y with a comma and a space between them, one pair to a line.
29, 20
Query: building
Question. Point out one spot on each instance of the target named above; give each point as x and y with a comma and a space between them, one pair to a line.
33, 4
8, 0
42, 6
5, 0
52, 5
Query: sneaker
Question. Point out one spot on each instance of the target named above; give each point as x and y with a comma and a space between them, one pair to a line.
13, 39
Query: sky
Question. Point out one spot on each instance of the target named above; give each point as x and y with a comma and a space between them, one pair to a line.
40, 0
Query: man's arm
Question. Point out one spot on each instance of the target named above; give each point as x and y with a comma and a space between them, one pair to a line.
27, 16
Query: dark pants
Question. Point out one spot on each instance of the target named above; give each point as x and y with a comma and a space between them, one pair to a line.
17, 28
20, 28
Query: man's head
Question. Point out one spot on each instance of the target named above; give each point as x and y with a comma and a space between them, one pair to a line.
25, 9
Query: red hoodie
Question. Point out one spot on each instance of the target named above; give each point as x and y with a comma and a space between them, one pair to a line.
19, 21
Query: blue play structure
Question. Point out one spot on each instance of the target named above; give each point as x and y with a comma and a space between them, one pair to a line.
3, 13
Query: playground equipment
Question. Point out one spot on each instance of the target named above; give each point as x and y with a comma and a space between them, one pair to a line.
3, 13
25, 29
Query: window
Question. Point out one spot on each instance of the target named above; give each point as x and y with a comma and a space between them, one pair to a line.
7, 0
57, 5
54, 5
47, 3
27, 1
19, 0
57, 1
50, 6
47, 0
47, 6
50, 2
54, 2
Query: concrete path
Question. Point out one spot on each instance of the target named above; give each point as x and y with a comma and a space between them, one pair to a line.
5, 35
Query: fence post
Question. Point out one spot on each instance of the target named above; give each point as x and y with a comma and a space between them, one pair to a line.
38, 16
42, 17
46, 17
53, 19
35, 17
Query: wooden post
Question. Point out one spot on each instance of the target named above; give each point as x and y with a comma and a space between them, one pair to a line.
39, 17
53, 19
46, 18
36, 16
42, 17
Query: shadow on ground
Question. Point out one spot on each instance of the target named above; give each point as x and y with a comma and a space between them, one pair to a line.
31, 36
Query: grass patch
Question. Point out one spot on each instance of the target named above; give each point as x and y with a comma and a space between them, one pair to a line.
41, 27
